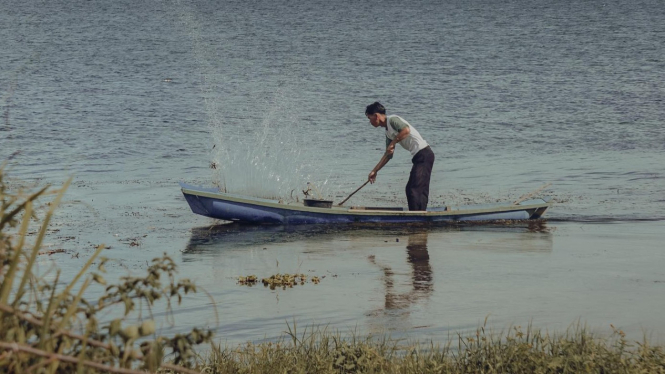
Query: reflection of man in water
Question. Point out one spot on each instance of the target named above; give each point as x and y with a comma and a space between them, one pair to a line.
419, 259
421, 279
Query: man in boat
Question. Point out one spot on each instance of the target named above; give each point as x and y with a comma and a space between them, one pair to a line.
400, 131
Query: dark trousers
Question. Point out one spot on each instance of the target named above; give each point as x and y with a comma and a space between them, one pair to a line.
417, 190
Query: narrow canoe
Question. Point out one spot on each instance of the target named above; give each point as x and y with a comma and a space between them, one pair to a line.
210, 202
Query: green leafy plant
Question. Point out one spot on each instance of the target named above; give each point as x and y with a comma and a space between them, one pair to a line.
48, 328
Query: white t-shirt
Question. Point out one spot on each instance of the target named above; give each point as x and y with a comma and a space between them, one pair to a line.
412, 143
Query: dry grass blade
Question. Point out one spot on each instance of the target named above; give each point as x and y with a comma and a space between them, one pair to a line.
15, 347
8, 280
38, 243
8, 216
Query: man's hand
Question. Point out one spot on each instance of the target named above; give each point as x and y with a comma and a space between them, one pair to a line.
384, 160
372, 177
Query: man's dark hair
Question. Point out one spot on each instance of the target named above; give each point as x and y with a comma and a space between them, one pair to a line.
375, 107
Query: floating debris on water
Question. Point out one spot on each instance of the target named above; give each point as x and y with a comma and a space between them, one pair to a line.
279, 280
248, 280
52, 251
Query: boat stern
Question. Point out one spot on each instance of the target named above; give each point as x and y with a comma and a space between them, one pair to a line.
538, 212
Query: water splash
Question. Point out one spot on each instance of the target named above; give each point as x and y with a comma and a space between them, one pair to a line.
267, 158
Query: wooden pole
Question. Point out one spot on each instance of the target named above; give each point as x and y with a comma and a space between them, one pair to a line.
352, 193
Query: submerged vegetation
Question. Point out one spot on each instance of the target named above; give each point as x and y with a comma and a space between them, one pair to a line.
50, 327
279, 280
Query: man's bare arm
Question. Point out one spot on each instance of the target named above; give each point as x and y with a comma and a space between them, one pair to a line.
390, 149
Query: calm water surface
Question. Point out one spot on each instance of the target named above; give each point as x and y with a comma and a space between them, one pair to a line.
131, 98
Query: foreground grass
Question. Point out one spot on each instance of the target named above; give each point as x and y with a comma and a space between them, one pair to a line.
47, 327
517, 351
50, 327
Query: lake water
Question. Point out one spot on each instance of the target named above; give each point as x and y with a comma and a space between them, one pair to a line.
131, 98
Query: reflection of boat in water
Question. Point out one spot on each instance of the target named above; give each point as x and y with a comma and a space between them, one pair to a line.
210, 202
237, 235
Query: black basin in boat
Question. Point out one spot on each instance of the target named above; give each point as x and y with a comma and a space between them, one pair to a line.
318, 203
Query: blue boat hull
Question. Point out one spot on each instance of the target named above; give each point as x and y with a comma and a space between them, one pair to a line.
210, 203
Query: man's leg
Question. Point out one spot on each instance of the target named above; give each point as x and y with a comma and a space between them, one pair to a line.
417, 190
410, 194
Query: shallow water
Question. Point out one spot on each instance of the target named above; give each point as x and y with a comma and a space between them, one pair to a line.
433, 282
131, 98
